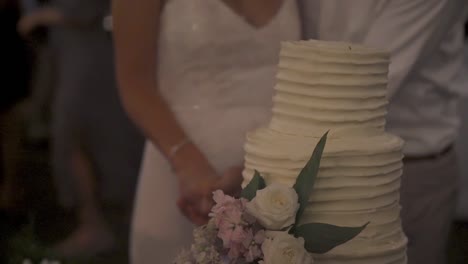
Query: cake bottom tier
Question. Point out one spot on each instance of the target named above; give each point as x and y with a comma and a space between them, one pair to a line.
381, 242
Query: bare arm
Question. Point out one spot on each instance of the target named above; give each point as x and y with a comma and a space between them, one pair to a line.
136, 26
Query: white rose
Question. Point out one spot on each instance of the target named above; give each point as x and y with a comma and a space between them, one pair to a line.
284, 248
275, 207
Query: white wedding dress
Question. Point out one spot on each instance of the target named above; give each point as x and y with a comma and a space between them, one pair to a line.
217, 73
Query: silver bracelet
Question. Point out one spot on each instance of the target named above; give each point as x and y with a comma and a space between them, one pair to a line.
174, 149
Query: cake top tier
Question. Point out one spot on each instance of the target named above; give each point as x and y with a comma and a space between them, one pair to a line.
331, 48
330, 85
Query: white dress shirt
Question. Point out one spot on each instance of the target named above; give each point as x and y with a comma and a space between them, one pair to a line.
425, 39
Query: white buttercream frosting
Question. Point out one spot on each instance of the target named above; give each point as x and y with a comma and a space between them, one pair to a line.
340, 88
329, 86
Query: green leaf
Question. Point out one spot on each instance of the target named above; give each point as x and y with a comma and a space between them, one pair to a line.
321, 238
306, 179
257, 183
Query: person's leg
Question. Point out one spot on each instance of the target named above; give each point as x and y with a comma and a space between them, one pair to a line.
428, 198
41, 94
92, 235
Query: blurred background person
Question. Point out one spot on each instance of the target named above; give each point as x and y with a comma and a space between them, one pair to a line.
95, 149
37, 112
196, 76
426, 41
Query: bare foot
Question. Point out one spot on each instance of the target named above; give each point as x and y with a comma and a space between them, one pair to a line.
86, 241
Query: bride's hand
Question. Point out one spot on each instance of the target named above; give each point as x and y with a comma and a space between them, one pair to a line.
196, 179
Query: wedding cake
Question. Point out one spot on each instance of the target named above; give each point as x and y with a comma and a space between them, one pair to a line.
340, 88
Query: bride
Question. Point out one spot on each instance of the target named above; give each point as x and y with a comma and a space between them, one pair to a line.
195, 76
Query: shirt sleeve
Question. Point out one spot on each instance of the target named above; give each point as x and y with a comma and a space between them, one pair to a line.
410, 30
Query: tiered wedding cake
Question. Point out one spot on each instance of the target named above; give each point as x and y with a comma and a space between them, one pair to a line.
341, 88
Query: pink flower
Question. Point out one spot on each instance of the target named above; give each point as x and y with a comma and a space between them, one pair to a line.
235, 252
239, 235
232, 235
260, 237
248, 239
225, 235
220, 198
237, 229
227, 209
253, 245
224, 224
254, 252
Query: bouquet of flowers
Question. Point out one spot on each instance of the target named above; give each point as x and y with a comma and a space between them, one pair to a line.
262, 226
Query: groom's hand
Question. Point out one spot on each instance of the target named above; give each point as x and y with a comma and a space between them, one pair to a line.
195, 213
196, 189
196, 201
231, 181
198, 208
196, 179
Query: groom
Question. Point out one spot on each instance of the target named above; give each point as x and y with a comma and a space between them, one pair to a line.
425, 38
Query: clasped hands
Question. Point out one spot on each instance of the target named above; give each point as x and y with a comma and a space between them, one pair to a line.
196, 190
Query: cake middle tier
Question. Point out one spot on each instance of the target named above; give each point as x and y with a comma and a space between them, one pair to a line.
356, 173
358, 182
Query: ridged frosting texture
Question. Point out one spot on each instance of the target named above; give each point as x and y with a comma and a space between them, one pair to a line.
329, 86
340, 88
